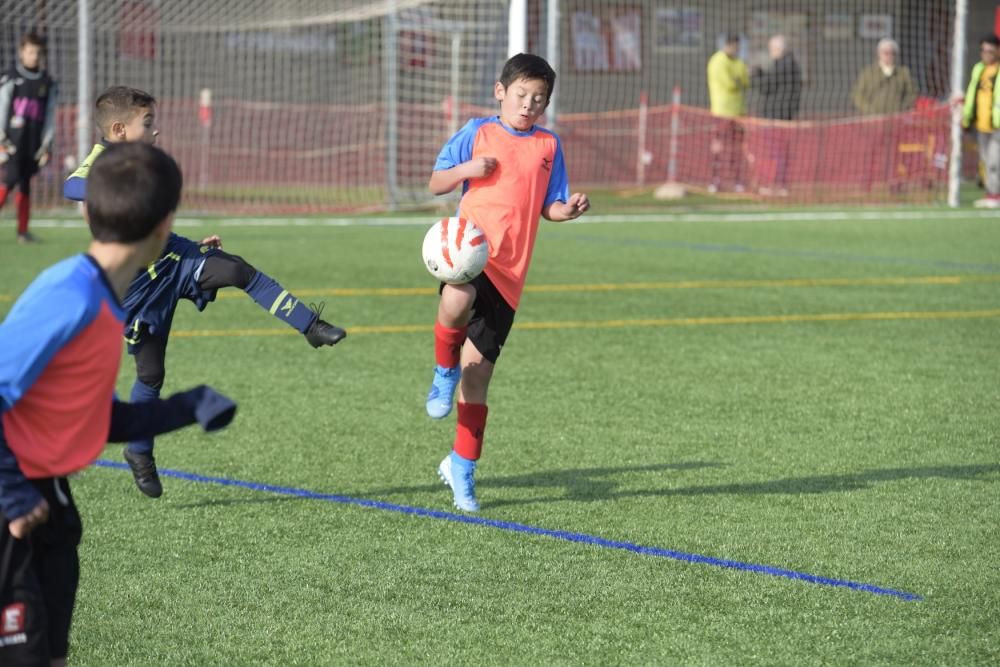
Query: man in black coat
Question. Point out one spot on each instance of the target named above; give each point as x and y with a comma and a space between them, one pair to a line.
780, 89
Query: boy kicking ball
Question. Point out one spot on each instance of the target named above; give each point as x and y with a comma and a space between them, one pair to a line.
185, 270
511, 172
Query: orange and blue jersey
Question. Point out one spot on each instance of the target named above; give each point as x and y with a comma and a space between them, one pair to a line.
507, 204
60, 348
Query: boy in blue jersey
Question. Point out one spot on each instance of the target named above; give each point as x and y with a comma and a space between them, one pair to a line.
185, 270
60, 348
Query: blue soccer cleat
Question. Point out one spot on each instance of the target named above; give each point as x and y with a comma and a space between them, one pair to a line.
458, 475
442, 393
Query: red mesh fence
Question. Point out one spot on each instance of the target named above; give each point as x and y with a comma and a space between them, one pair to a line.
258, 157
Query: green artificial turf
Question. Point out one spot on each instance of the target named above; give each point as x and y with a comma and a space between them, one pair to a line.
807, 395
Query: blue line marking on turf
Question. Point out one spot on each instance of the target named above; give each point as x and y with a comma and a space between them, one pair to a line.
784, 252
511, 526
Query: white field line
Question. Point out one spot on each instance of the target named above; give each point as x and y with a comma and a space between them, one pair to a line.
784, 216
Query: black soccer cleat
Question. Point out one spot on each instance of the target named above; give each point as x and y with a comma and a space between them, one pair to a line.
321, 332
144, 470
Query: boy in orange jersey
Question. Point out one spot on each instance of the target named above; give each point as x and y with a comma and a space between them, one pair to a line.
511, 172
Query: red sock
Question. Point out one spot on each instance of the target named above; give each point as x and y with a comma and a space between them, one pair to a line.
469, 432
22, 203
3, 195
448, 345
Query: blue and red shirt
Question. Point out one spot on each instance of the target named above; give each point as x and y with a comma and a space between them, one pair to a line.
507, 204
60, 349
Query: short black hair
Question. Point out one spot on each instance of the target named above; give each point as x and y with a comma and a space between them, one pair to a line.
732, 38
528, 66
990, 39
32, 38
132, 187
120, 103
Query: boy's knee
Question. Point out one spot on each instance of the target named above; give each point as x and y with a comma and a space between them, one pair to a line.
149, 363
224, 270
150, 374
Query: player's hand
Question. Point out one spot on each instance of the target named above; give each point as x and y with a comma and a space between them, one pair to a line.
212, 241
43, 159
577, 205
22, 526
481, 167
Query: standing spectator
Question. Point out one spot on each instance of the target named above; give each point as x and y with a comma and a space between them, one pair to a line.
727, 83
27, 126
883, 87
981, 112
780, 87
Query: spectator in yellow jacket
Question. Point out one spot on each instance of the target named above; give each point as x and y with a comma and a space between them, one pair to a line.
728, 81
981, 112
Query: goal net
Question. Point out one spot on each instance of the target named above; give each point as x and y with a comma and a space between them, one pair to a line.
341, 105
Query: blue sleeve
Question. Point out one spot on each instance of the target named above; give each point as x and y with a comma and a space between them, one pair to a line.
75, 188
41, 322
17, 495
558, 181
459, 147
138, 421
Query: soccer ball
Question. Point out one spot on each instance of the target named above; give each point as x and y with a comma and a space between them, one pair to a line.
455, 250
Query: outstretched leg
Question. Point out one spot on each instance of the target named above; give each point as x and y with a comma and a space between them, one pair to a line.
224, 270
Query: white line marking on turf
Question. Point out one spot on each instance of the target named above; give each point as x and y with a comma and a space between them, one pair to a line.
783, 216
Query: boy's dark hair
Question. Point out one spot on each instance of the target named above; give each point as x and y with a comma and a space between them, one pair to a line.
990, 39
131, 188
528, 66
732, 38
32, 38
120, 103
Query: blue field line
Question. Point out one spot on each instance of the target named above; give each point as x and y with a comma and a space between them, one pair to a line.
511, 526
784, 252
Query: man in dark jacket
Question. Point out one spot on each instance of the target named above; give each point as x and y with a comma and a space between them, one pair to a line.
780, 85
780, 88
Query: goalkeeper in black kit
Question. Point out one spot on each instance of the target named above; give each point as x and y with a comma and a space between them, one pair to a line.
27, 126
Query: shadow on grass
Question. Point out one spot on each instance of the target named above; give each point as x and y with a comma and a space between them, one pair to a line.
597, 484
220, 502
579, 484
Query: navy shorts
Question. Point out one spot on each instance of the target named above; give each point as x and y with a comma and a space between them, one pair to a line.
492, 318
153, 294
39, 576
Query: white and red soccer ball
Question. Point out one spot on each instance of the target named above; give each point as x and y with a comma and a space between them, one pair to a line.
455, 250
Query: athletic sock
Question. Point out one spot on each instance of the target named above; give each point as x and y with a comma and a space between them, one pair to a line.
22, 203
3, 195
278, 301
469, 432
448, 344
141, 393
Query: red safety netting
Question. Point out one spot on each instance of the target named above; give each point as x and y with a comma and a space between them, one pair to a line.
257, 157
